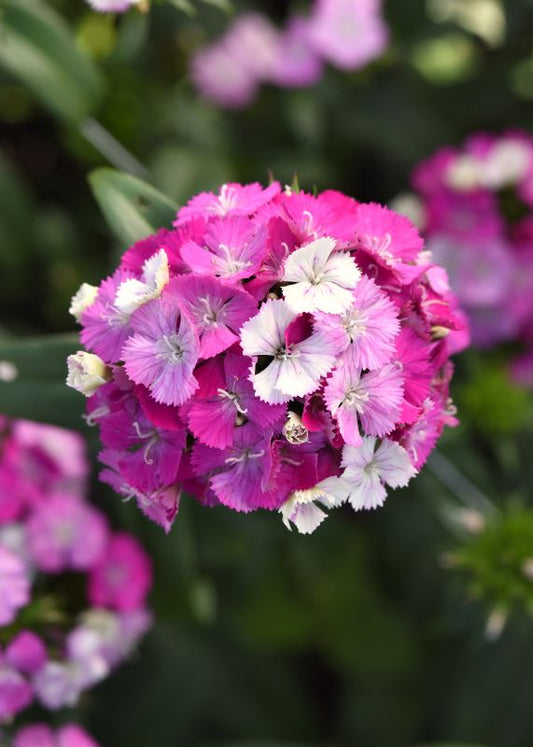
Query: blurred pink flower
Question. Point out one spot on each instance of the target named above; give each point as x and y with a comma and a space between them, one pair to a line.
123, 577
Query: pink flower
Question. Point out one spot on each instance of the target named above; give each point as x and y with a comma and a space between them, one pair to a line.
66, 533
26, 652
297, 64
373, 399
41, 735
225, 400
232, 199
366, 332
163, 351
231, 250
294, 368
348, 33
14, 585
390, 239
216, 310
123, 577
16, 693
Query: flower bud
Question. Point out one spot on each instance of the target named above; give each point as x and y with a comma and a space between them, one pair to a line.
82, 299
86, 372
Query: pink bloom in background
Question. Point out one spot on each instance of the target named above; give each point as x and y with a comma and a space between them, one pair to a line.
297, 64
289, 327
469, 230
26, 652
14, 585
54, 531
345, 33
348, 33
123, 577
111, 6
16, 693
42, 735
65, 533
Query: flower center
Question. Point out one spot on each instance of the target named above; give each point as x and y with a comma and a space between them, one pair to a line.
355, 324
233, 398
170, 349
356, 398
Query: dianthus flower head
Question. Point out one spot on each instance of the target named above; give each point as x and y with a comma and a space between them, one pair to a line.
293, 333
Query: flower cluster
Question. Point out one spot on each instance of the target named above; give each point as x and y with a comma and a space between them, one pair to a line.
345, 33
274, 350
55, 548
476, 211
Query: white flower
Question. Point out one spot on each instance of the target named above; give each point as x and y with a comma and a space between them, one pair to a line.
464, 174
367, 470
507, 163
301, 510
57, 684
133, 293
86, 372
82, 299
321, 278
295, 368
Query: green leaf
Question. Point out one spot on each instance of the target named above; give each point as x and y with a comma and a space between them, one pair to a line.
132, 208
38, 48
226, 6
185, 6
38, 391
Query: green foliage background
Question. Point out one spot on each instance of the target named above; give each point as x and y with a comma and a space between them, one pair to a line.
372, 631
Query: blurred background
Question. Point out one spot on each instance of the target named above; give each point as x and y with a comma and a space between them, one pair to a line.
408, 626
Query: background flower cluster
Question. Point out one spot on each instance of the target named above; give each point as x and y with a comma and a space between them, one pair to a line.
72, 592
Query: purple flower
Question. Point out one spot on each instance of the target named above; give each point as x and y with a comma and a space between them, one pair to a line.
241, 472
226, 400
105, 327
163, 351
